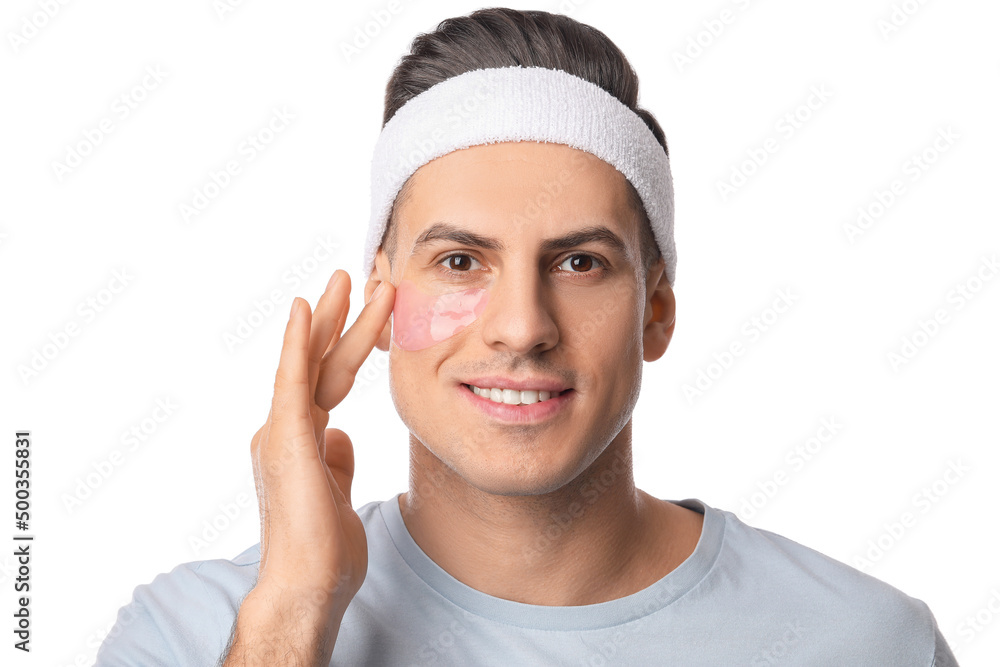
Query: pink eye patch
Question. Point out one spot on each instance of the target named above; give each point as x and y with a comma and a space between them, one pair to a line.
420, 320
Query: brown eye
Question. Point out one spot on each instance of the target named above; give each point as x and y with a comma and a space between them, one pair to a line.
458, 263
579, 263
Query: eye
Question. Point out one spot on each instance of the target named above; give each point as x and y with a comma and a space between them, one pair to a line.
582, 262
579, 263
455, 263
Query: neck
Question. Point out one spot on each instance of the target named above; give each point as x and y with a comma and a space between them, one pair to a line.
595, 539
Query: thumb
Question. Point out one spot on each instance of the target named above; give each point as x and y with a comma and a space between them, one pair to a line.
339, 458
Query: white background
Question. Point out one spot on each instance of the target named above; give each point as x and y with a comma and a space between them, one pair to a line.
63, 235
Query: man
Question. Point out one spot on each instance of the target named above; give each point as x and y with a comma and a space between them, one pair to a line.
528, 279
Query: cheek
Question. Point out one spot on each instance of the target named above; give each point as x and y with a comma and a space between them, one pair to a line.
420, 320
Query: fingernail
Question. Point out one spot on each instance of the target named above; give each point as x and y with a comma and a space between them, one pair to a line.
333, 280
295, 307
378, 290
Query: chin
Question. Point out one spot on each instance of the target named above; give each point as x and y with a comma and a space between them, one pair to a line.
515, 488
508, 480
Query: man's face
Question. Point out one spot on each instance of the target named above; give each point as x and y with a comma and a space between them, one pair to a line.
574, 314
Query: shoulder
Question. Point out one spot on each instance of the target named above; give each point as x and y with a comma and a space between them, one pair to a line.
186, 616
851, 611
181, 617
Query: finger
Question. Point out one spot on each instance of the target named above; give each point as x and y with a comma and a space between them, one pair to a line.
339, 458
324, 322
341, 321
341, 364
290, 405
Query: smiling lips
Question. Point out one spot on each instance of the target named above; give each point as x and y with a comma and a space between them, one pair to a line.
515, 412
513, 396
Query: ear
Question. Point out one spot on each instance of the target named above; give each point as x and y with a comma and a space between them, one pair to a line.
659, 314
379, 273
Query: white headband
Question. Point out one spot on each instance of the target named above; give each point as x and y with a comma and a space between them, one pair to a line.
521, 104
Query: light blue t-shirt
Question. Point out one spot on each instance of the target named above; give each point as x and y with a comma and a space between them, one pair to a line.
745, 596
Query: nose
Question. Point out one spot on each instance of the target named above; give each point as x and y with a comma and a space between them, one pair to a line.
518, 317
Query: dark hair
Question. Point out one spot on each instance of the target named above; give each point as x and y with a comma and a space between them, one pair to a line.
503, 37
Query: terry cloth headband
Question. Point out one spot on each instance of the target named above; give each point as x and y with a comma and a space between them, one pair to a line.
495, 105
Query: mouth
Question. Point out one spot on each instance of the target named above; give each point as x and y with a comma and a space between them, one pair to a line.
514, 396
518, 406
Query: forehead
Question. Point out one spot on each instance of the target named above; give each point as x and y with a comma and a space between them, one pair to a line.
496, 186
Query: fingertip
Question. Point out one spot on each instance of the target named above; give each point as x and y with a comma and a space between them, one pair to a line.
334, 279
375, 294
298, 318
299, 305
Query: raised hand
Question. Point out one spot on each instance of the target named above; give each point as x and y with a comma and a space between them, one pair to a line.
313, 549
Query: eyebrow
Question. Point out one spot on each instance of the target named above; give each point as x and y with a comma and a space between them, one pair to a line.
443, 231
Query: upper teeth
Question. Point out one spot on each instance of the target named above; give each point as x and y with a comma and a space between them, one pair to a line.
513, 396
